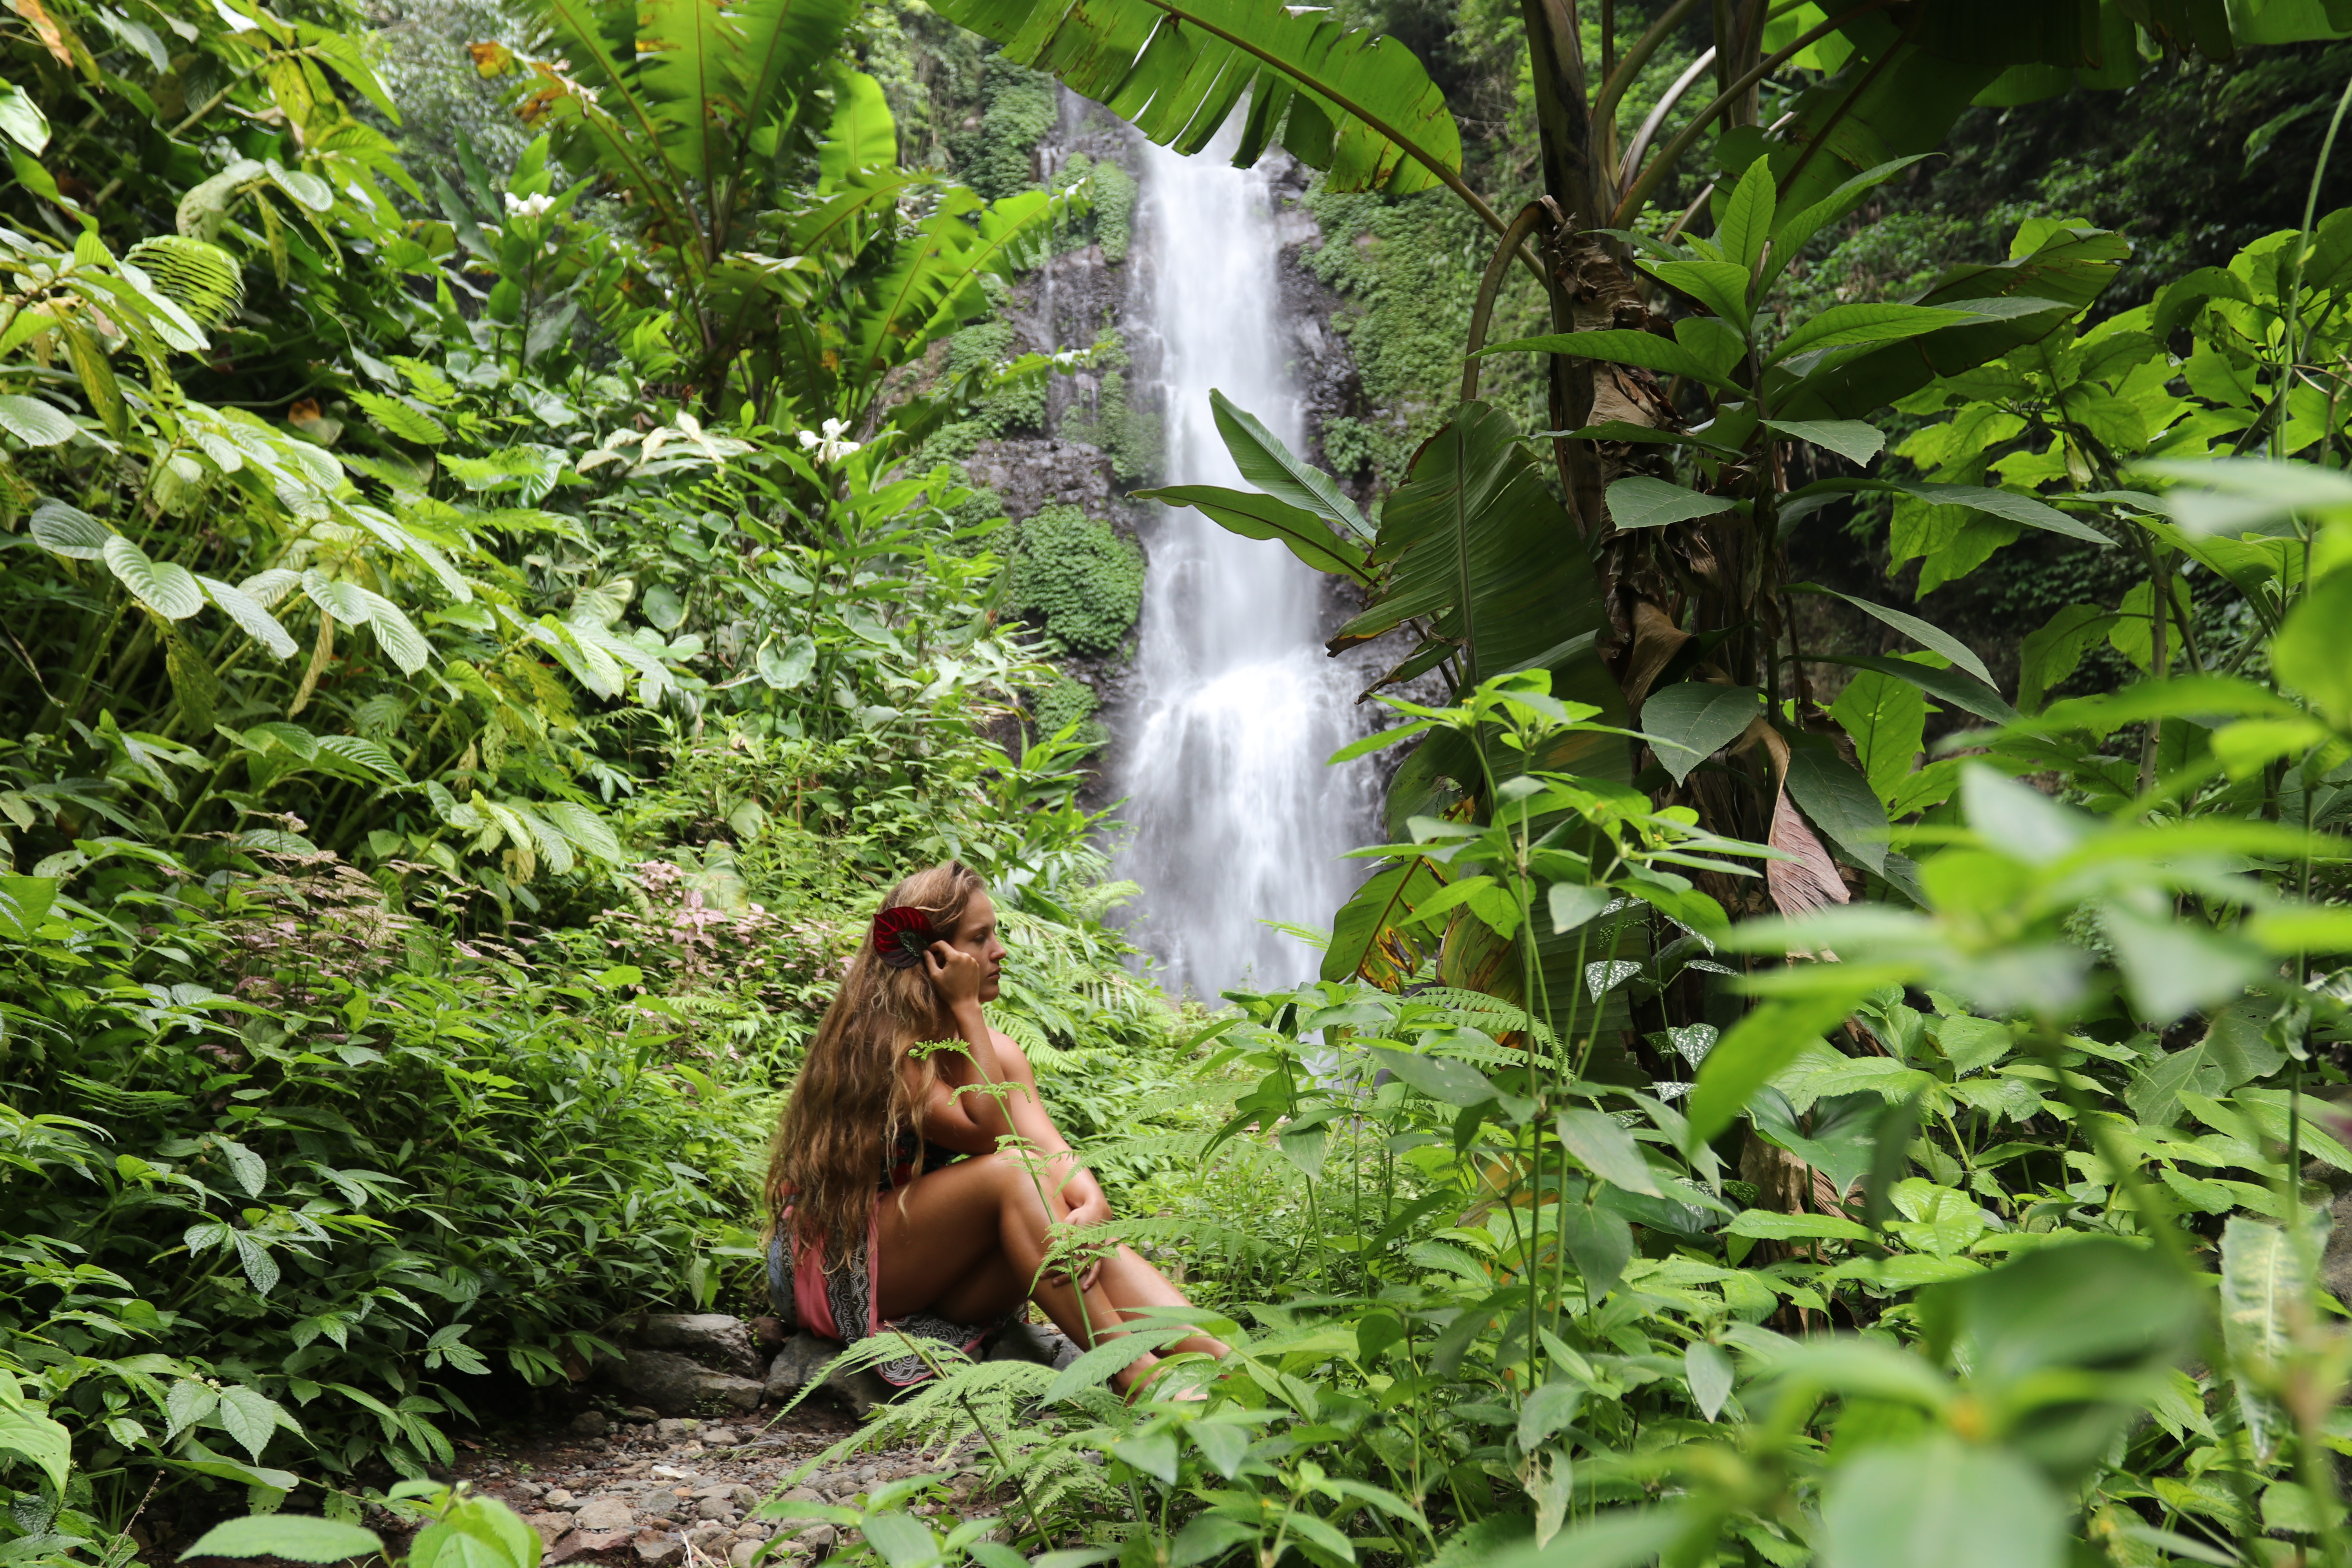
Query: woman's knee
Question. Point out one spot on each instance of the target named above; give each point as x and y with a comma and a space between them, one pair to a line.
1010, 1174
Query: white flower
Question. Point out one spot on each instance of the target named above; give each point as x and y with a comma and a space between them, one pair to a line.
529, 206
828, 447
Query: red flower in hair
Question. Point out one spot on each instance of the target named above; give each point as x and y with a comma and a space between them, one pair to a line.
902, 934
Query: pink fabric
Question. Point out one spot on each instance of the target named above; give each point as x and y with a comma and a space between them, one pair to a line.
809, 1298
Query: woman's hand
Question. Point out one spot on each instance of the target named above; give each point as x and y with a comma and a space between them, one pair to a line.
956, 975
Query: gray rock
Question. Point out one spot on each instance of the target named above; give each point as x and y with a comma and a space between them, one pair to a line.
590, 1424
824, 1535
666, 1382
677, 1430
550, 1526
752, 1531
715, 1339
736, 1393
1039, 1342
559, 1496
744, 1497
600, 1514
810, 1494
710, 1540
739, 1556
802, 1357
580, 1542
721, 1438
656, 1548
861, 1390
718, 1508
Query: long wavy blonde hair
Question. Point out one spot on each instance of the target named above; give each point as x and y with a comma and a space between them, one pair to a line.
853, 1099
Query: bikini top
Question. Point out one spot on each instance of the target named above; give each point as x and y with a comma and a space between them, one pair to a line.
909, 1146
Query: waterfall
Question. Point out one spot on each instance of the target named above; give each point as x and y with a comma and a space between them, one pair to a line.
1235, 705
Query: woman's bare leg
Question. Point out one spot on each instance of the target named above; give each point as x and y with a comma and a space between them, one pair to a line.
966, 1240
1131, 1283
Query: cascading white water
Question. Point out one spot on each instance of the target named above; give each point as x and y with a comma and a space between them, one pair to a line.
1237, 820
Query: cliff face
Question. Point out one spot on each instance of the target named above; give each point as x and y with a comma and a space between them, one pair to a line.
1096, 433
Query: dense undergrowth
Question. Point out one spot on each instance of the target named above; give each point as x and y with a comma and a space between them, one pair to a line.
481, 637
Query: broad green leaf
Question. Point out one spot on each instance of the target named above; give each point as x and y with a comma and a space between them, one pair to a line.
1367, 936
1272, 468
1765, 1224
1886, 720
69, 531
2262, 1286
786, 664
395, 634
1720, 286
1641, 501
1175, 69
1547, 1410
1708, 1369
248, 1415
2308, 654
25, 903
356, 754
1841, 326
1599, 1243
1254, 516
297, 1537
1747, 222
22, 119
164, 586
26, 1432
1757, 1046
2051, 655
2249, 495
1924, 633
1937, 1502
2172, 967
1573, 903
1690, 721
1440, 1078
347, 601
1959, 688
1853, 439
902, 1540
1840, 802
1608, 1150
863, 135
250, 617
32, 422
585, 828
1615, 1538
2065, 272
1615, 345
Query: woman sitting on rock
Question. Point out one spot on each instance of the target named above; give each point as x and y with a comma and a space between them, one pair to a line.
945, 1235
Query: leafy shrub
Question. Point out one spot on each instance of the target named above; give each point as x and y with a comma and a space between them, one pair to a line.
1078, 577
1064, 702
353, 1176
998, 158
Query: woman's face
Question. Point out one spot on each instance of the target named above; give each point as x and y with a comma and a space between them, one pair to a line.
976, 934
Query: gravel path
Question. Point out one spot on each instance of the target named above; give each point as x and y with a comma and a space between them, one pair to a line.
652, 1493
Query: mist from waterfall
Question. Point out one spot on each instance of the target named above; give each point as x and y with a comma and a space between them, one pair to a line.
1237, 820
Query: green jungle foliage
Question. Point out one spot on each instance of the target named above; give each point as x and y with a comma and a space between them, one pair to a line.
1081, 581
481, 637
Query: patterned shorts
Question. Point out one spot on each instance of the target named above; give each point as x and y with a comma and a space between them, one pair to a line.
839, 1303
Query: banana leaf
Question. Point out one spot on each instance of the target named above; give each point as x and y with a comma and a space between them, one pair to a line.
1355, 105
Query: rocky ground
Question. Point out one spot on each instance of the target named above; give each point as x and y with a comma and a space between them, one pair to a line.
629, 1484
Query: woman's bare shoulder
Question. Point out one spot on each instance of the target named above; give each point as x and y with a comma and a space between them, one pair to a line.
1008, 1049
